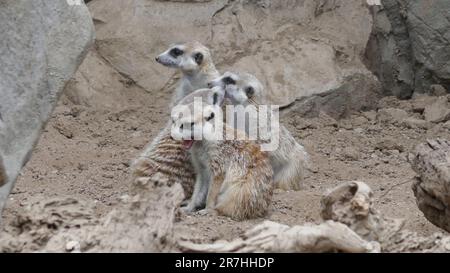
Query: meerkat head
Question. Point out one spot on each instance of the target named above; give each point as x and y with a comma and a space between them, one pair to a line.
190, 58
240, 88
195, 116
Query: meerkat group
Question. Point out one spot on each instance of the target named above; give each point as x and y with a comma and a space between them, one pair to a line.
234, 178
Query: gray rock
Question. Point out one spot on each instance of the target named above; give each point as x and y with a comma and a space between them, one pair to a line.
42, 44
420, 102
408, 48
351, 154
439, 111
359, 92
447, 125
416, 123
294, 47
431, 161
438, 90
3, 176
391, 115
389, 144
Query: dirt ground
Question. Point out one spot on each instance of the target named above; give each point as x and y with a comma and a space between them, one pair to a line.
85, 153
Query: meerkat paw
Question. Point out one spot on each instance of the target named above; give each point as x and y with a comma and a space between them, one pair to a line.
187, 207
191, 208
207, 211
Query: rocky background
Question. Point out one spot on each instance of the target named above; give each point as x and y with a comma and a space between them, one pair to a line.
362, 84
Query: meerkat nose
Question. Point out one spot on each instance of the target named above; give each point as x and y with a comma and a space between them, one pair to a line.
210, 85
157, 59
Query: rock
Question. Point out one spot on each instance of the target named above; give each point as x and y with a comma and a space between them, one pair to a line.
439, 111
3, 176
447, 125
43, 43
391, 115
294, 47
370, 115
438, 90
420, 102
408, 47
358, 93
106, 90
359, 121
388, 144
431, 162
359, 130
350, 153
73, 246
412, 123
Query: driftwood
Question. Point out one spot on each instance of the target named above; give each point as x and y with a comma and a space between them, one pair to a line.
352, 225
273, 237
139, 223
432, 186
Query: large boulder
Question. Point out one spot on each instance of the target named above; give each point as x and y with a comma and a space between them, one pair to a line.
297, 48
431, 162
408, 48
43, 42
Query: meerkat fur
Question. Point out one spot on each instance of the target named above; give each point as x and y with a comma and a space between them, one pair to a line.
195, 63
234, 177
290, 160
165, 162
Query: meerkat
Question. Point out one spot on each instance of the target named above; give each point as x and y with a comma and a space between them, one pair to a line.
165, 161
233, 177
290, 160
195, 63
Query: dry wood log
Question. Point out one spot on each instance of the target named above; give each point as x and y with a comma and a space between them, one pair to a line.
273, 237
352, 225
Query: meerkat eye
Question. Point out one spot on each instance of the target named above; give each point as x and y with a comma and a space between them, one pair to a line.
198, 57
176, 52
182, 126
228, 81
250, 91
210, 117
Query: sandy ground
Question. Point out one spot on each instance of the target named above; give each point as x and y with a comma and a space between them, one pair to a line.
85, 153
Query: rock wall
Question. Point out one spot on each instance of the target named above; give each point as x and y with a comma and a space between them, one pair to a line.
297, 48
408, 48
42, 45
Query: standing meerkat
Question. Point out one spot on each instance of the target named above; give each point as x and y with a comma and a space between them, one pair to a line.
290, 160
195, 63
164, 160
234, 177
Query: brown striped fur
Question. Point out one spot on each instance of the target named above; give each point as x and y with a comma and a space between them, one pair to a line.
240, 185
165, 161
